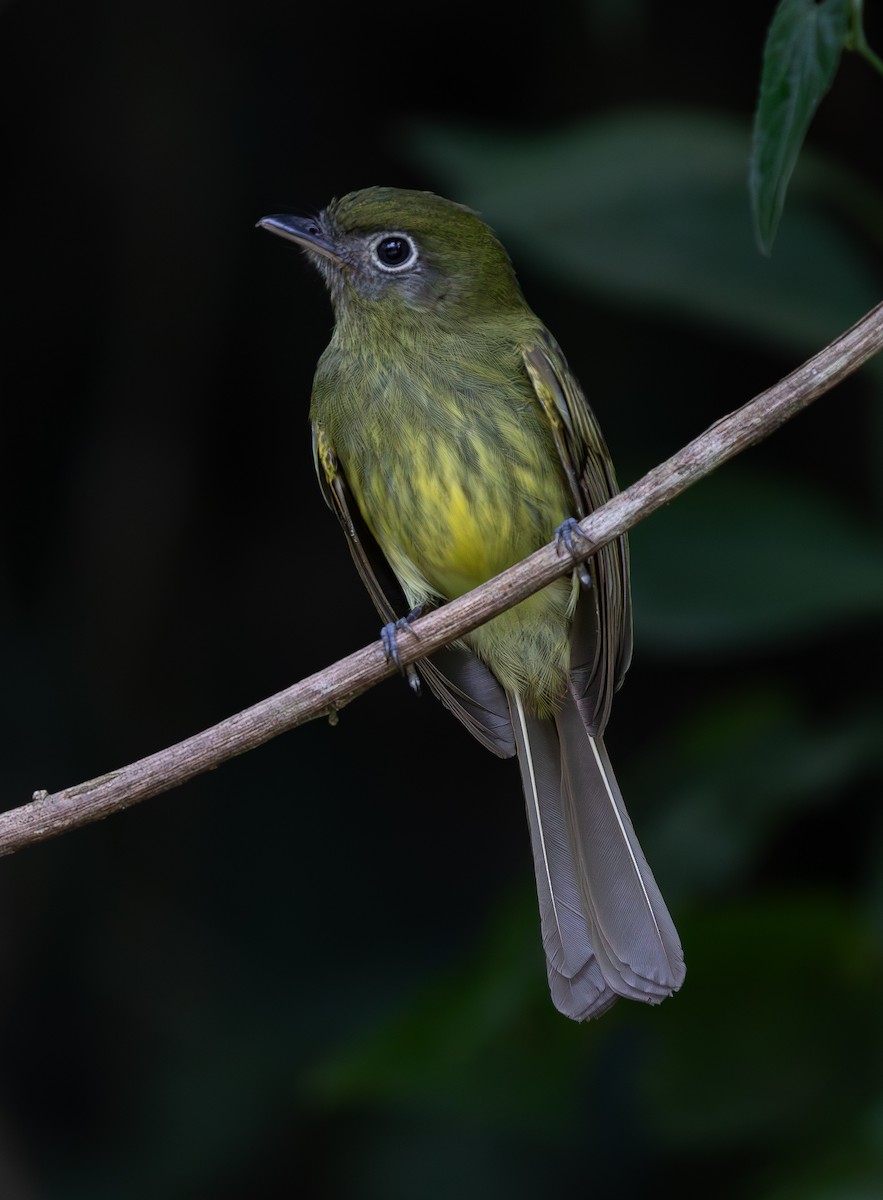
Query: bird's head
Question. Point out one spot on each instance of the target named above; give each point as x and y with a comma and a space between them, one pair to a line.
405, 252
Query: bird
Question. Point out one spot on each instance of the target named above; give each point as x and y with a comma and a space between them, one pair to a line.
451, 440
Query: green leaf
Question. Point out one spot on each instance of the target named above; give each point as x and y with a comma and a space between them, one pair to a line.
800, 59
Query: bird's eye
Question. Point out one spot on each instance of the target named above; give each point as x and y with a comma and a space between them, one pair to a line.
394, 252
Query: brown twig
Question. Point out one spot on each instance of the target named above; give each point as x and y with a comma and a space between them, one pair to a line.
329, 690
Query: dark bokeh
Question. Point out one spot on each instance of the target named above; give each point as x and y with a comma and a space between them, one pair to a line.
317, 970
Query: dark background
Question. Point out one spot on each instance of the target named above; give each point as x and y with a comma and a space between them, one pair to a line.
317, 971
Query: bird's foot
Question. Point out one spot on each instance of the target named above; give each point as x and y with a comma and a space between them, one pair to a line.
389, 636
568, 534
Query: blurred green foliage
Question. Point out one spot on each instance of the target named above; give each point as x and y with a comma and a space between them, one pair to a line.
652, 206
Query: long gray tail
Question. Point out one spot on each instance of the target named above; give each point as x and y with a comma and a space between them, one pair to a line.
606, 930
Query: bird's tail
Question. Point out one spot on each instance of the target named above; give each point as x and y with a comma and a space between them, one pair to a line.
606, 930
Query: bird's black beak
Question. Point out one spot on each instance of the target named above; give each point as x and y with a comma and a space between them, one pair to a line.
303, 230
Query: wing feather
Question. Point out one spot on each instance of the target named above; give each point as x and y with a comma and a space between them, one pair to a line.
602, 633
456, 677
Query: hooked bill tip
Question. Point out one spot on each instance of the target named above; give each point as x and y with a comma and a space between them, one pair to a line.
302, 230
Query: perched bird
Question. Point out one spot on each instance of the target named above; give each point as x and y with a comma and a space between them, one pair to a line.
452, 440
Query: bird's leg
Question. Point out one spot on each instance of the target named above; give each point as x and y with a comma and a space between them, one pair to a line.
389, 637
568, 534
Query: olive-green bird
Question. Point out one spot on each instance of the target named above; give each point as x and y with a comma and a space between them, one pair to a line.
452, 440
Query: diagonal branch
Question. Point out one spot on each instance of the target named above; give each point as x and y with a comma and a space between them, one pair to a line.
327, 691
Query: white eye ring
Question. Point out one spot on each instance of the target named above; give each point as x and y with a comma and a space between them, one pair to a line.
394, 252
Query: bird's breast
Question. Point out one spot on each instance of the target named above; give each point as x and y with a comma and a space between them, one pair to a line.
456, 482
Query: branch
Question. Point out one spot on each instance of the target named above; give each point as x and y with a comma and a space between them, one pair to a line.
324, 693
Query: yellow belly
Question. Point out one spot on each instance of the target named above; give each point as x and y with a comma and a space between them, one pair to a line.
453, 514
455, 471
445, 529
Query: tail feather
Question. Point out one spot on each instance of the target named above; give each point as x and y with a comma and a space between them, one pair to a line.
606, 929
576, 982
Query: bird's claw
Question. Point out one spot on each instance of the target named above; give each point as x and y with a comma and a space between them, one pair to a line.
389, 636
568, 534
